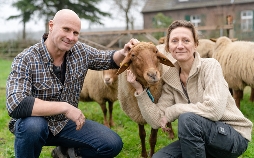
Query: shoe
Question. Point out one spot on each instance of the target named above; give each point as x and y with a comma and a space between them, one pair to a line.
59, 152
62, 152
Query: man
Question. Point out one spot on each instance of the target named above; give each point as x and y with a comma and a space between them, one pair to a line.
43, 93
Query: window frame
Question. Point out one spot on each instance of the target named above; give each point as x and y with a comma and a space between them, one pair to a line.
247, 20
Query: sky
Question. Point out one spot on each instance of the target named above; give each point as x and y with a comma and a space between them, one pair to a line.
16, 26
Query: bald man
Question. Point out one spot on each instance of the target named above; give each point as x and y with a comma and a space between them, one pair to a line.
43, 92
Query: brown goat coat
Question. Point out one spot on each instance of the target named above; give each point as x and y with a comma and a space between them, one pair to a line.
144, 61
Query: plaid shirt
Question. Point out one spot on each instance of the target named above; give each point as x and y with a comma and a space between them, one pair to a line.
32, 75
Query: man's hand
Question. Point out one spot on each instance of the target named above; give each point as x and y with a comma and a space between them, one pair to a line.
76, 116
129, 45
131, 78
121, 54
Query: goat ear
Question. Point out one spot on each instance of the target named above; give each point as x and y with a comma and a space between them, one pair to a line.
213, 39
124, 64
164, 60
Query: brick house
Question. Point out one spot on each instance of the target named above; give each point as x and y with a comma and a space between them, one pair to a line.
239, 13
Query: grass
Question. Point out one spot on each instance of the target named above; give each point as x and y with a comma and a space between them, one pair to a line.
126, 128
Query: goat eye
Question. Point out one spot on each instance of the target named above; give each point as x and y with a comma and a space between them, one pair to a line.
132, 55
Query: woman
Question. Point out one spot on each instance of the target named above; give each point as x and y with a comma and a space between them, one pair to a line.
196, 93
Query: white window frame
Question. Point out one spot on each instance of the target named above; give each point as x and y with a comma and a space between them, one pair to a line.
195, 20
183, 0
247, 20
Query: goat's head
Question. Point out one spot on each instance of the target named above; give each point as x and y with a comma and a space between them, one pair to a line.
144, 61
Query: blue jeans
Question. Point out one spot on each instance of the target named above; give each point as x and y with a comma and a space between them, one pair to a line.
200, 138
93, 140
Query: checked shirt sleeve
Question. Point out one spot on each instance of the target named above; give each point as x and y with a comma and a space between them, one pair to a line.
18, 83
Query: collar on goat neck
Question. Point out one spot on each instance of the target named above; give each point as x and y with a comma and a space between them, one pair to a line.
145, 86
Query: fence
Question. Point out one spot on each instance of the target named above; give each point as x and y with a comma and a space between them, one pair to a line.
107, 39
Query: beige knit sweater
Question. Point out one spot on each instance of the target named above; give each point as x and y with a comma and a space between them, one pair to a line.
208, 93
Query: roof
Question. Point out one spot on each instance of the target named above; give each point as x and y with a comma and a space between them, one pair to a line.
166, 5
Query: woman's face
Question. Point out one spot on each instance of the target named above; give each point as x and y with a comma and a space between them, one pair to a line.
181, 44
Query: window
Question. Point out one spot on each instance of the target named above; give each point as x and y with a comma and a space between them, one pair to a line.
183, 0
247, 20
195, 19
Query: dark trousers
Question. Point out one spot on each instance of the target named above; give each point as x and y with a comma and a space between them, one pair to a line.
93, 140
200, 138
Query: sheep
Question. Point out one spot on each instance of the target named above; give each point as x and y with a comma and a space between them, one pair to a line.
205, 48
101, 87
144, 61
236, 59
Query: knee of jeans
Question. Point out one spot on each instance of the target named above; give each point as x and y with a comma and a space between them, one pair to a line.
116, 147
32, 125
112, 148
185, 118
187, 121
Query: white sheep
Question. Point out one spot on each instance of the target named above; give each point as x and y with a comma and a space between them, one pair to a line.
236, 59
144, 60
101, 87
205, 48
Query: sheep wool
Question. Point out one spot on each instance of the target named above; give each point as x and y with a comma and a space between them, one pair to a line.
236, 59
101, 87
205, 48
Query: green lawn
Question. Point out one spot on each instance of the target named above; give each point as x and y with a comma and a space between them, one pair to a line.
126, 128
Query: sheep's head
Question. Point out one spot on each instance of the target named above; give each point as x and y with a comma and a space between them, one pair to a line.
109, 76
144, 61
221, 43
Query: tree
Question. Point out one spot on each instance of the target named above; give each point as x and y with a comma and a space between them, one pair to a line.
27, 9
46, 9
126, 6
161, 21
86, 9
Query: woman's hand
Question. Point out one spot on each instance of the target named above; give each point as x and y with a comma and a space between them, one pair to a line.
163, 123
131, 78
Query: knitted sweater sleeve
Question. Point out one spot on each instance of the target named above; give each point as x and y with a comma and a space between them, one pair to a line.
152, 112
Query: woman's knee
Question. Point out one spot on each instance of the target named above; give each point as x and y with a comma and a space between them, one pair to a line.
188, 123
187, 118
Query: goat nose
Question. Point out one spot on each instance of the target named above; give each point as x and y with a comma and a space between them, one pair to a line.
152, 74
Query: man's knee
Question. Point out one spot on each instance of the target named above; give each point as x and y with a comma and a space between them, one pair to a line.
32, 125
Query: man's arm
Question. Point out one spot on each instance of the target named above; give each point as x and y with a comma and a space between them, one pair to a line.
49, 108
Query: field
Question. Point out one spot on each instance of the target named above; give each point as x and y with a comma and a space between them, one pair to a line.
126, 128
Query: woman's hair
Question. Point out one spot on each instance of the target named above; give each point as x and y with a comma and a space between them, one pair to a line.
181, 23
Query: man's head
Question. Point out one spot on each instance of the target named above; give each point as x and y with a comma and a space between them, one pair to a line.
64, 30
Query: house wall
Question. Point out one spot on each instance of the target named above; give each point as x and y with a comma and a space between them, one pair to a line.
210, 16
